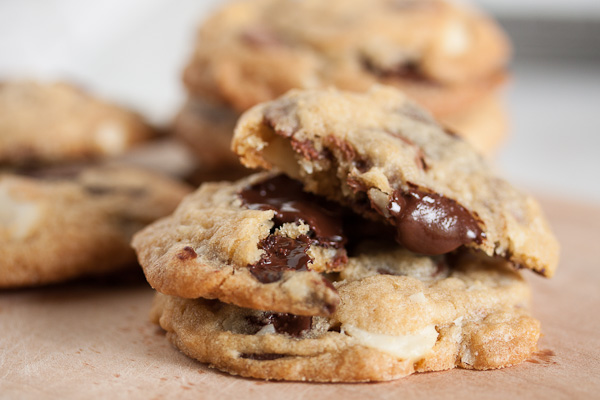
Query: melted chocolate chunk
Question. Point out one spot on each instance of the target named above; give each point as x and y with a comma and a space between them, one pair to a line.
291, 204
429, 223
281, 254
293, 325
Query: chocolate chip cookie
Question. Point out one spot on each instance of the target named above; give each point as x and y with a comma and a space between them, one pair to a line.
66, 222
50, 123
379, 245
449, 58
386, 158
399, 313
441, 54
260, 242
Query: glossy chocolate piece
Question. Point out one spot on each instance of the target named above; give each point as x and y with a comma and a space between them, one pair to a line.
429, 223
281, 254
291, 204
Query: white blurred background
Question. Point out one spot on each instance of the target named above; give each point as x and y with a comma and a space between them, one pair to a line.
133, 52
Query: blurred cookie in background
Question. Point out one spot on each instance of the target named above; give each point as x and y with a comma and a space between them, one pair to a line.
49, 123
448, 58
71, 221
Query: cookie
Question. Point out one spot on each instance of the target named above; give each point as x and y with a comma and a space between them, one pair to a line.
49, 123
260, 242
62, 223
386, 158
448, 58
445, 56
413, 317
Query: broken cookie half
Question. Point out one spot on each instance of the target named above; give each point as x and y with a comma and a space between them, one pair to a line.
389, 160
261, 242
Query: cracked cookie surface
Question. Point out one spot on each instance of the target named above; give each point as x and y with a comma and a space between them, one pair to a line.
388, 159
399, 313
65, 222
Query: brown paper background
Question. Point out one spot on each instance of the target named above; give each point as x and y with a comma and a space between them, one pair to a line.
93, 340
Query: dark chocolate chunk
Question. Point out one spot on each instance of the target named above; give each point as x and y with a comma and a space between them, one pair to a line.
261, 357
284, 323
281, 254
429, 223
291, 324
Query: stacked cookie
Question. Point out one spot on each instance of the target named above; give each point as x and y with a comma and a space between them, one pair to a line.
449, 58
64, 212
378, 245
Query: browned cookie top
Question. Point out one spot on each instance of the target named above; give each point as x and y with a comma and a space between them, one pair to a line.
385, 157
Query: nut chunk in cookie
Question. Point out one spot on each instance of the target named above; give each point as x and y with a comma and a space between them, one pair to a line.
261, 242
388, 325
389, 160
